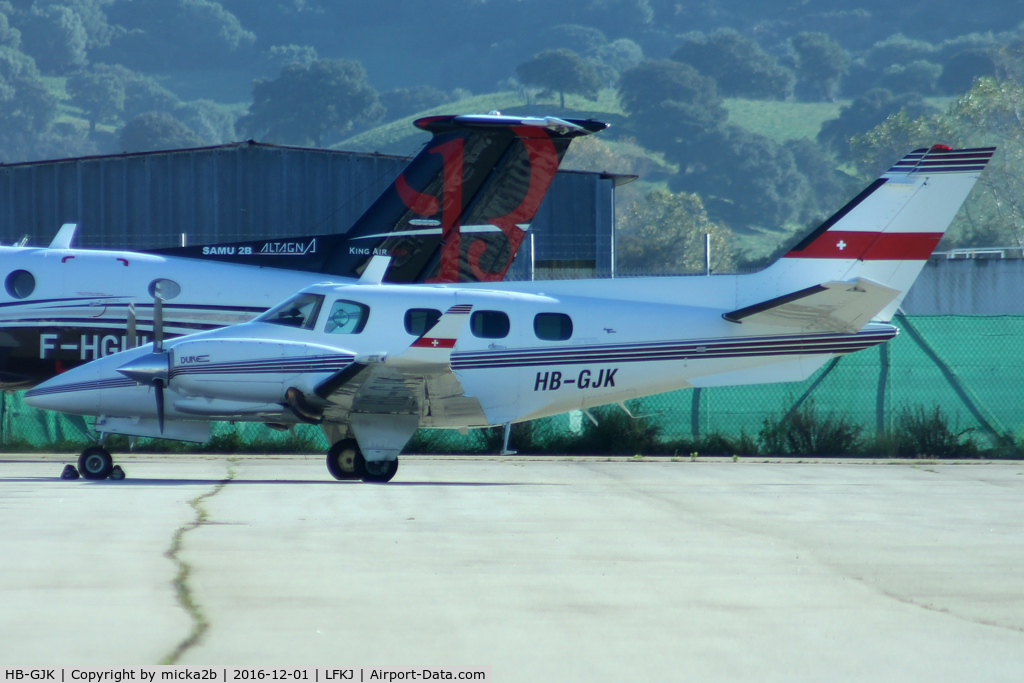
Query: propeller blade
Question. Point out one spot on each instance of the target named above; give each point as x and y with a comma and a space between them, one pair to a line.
158, 322
132, 338
158, 385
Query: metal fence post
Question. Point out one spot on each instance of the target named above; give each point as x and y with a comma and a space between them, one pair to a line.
883, 383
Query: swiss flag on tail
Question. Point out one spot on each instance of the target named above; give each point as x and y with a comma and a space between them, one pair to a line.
902, 215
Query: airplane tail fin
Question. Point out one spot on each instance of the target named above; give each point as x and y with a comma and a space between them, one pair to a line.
457, 212
460, 210
886, 233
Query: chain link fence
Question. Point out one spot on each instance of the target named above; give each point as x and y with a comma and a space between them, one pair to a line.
968, 367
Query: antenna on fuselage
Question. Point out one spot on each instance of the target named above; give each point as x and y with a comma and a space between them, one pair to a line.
62, 240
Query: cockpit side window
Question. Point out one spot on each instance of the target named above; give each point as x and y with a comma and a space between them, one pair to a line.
347, 317
299, 311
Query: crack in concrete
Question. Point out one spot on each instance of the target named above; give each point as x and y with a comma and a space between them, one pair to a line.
838, 568
182, 588
944, 610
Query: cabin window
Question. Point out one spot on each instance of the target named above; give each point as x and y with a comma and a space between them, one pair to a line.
168, 289
20, 284
419, 320
552, 326
489, 324
347, 317
299, 311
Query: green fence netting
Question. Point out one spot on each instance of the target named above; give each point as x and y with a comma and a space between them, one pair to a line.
970, 367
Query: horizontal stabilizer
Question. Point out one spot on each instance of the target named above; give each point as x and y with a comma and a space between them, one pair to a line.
382, 383
828, 307
434, 348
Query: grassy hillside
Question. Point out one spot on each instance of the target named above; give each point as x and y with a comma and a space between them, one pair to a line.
782, 121
401, 137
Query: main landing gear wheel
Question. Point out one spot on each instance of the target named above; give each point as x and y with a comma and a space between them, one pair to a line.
95, 463
380, 471
342, 460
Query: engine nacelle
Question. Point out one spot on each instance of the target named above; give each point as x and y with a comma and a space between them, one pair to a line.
254, 371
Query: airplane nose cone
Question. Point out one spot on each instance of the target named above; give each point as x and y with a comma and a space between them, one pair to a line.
147, 368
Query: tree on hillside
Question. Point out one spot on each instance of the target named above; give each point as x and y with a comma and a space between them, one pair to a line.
56, 37
9, 36
988, 114
654, 81
110, 92
402, 102
669, 104
830, 187
739, 66
864, 113
916, 77
306, 103
176, 34
157, 130
745, 179
27, 108
99, 93
664, 233
897, 49
579, 39
562, 71
959, 73
209, 120
619, 55
820, 64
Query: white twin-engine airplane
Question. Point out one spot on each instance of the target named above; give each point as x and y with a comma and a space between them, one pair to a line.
457, 213
372, 362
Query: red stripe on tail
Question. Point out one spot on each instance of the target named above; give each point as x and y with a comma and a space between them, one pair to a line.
871, 246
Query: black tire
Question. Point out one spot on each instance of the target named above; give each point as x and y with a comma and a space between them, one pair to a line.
95, 463
117, 474
379, 472
343, 460
69, 472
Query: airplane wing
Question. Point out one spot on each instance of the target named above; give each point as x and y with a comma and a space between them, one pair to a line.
418, 381
828, 307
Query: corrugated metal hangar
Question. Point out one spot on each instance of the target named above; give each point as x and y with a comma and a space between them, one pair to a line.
251, 190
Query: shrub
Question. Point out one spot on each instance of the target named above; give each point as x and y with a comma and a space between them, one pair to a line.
804, 431
923, 433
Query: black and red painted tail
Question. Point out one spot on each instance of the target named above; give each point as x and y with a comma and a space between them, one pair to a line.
460, 210
457, 213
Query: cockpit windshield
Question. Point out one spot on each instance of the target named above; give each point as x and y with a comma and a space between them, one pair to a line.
299, 311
